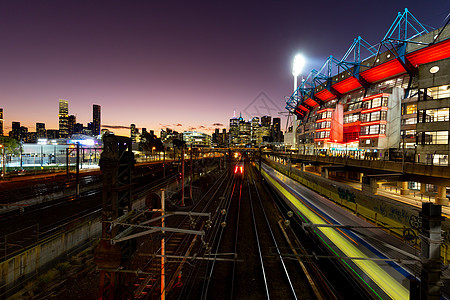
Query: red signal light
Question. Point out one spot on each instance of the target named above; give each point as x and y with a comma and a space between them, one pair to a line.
236, 170
241, 169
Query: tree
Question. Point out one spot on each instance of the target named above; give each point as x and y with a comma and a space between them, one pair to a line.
149, 141
11, 145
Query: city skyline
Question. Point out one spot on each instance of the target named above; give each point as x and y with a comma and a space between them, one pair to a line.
159, 65
65, 114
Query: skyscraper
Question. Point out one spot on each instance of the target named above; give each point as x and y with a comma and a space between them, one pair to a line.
63, 118
133, 132
96, 119
1, 121
265, 121
234, 131
40, 130
15, 132
276, 129
71, 124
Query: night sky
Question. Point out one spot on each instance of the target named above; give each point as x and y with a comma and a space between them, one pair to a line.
178, 64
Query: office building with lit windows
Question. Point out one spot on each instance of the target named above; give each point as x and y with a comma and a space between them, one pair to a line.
96, 119
194, 138
40, 130
433, 105
63, 118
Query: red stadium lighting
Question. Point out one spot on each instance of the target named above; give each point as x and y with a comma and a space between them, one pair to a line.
375, 96
369, 110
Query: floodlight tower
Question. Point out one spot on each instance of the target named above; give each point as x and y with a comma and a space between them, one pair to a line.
299, 62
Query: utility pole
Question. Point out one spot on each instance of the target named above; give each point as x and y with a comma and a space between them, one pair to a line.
77, 177
164, 161
182, 177
163, 250
192, 174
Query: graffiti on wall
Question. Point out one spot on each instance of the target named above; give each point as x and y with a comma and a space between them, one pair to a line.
346, 195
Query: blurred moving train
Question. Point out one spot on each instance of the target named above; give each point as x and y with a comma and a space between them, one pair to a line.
239, 169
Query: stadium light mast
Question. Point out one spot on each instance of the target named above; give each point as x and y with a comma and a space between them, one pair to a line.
299, 63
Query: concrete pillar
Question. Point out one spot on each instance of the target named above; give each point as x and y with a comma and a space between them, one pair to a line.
369, 185
361, 175
441, 197
423, 187
303, 167
404, 190
430, 254
324, 172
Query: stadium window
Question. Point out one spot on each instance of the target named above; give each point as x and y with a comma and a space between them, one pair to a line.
411, 109
376, 102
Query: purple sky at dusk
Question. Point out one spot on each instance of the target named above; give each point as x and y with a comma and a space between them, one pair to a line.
169, 63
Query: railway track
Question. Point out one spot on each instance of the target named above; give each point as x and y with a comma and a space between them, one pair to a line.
244, 238
21, 229
181, 249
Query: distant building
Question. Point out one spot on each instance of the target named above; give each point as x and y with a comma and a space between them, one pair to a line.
40, 130
78, 128
276, 130
63, 118
194, 138
23, 135
255, 126
245, 129
234, 130
266, 120
71, 124
216, 138
1, 121
96, 119
88, 130
133, 133
15, 131
262, 135
225, 138
52, 134
167, 136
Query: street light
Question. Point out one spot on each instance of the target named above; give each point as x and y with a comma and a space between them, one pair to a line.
299, 62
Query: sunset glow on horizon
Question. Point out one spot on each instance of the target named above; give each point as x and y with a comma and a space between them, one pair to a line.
178, 65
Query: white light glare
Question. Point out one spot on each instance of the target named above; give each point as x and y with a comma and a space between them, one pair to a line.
299, 62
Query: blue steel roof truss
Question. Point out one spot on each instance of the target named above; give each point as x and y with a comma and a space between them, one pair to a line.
404, 28
402, 31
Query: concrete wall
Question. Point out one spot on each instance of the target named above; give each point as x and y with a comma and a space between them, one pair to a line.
41, 257
394, 119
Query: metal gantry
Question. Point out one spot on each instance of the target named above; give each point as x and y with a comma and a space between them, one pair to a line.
116, 164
